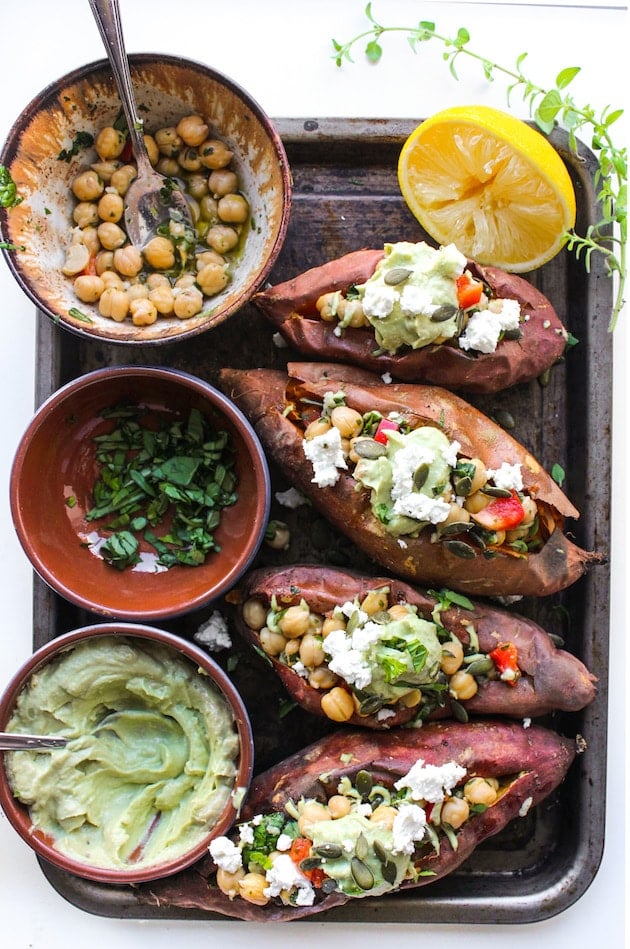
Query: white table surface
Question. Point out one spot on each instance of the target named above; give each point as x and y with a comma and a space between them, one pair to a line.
281, 53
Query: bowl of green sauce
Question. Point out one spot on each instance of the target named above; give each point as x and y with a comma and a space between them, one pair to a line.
140, 493
158, 760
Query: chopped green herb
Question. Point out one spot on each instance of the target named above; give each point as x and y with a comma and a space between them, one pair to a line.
81, 140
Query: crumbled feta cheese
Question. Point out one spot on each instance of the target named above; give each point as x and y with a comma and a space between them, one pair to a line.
291, 498
507, 476
408, 827
213, 634
384, 713
402, 543
527, 722
450, 454
326, 455
364, 809
485, 326
279, 341
345, 661
246, 834
301, 669
284, 842
415, 300
387, 378
428, 782
452, 260
408, 501
379, 300
525, 806
225, 854
284, 875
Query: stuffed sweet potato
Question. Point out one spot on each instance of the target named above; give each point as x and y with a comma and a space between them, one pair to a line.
360, 814
426, 485
420, 315
376, 652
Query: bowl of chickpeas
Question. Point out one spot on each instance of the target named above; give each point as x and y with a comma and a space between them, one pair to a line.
70, 158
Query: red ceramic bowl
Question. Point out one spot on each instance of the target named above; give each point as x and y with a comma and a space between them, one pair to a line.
100, 697
52, 480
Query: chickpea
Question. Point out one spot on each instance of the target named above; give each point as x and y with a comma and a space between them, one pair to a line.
111, 235
385, 815
222, 238
411, 699
338, 704
215, 154
233, 209
222, 182
87, 186
455, 811
331, 623
168, 142
209, 209
122, 178
169, 167
105, 169
187, 303
152, 149
208, 257
338, 806
315, 624
481, 791
318, 426
312, 813
456, 515
480, 476
254, 613
155, 280
212, 279
294, 622
228, 882
114, 303
197, 186
476, 502
192, 130
311, 651
292, 647
251, 887
374, 602
347, 420
321, 678
281, 537
112, 280
452, 657
89, 237
189, 160
88, 288
273, 643
462, 685
143, 313
185, 282
85, 213
138, 291
128, 260
531, 510
327, 305
103, 261
159, 253
351, 312
109, 143
77, 259
399, 611
110, 207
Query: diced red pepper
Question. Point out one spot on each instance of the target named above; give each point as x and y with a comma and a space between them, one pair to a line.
468, 291
300, 849
90, 267
385, 425
505, 658
316, 876
501, 514
127, 153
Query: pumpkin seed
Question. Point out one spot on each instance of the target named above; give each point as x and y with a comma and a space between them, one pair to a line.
310, 863
328, 885
382, 617
544, 378
370, 705
369, 448
328, 850
420, 476
363, 783
396, 275
361, 874
480, 667
455, 527
389, 872
462, 320
492, 491
361, 847
504, 418
463, 486
459, 549
380, 852
445, 312
459, 712
513, 334
352, 622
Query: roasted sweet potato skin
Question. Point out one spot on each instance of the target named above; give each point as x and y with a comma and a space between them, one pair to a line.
290, 307
535, 758
265, 396
551, 680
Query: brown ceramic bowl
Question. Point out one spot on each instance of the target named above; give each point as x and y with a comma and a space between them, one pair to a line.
52, 481
84, 101
108, 656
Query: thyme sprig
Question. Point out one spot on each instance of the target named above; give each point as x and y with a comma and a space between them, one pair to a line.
548, 108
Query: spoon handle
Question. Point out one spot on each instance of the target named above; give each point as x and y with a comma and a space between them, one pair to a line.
107, 16
10, 741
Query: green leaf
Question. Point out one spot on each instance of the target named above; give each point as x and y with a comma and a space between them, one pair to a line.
567, 76
373, 51
558, 474
549, 106
181, 469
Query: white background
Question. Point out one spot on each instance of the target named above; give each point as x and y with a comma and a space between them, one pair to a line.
281, 53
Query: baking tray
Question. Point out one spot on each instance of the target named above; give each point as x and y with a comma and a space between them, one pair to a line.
347, 197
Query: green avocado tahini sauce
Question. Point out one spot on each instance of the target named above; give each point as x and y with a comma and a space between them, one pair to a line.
151, 761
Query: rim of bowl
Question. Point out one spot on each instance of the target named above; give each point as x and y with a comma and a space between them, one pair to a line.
221, 402
13, 809
10, 149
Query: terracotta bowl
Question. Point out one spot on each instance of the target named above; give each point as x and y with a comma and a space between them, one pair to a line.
51, 490
84, 101
116, 646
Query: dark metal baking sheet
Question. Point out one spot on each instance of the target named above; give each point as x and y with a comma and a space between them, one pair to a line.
347, 197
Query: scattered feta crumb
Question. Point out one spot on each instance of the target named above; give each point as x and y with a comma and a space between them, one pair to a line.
525, 806
290, 498
284, 842
384, 713
246, 833
279, 341
326, 455
527, 722
284, 875
213, 634
387, 378
507, 476
225, 854
429, 782
408, 827
402, 543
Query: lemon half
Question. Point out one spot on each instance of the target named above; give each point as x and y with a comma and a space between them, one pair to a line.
489, 183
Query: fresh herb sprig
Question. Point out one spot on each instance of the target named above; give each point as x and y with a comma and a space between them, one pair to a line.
9, 198
547, 107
